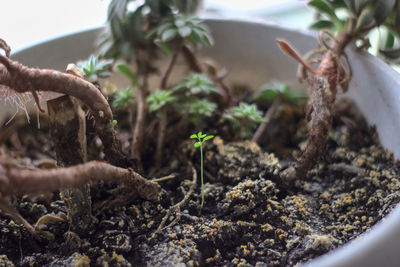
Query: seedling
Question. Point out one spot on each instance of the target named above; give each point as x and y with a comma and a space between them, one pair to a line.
196, 84
122, 98
160, 99
244, 118
93, 68
201, 139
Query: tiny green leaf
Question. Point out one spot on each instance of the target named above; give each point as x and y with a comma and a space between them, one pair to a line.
193, 136
202, 135
197, 144
199, 134
208, 138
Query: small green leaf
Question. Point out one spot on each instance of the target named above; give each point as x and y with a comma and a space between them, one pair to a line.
199, 134
383, 8
168, 35
324, 7
124, 69
197, 144
114, 122
184, 31
208, 138
193, 136
322, 24
202, 135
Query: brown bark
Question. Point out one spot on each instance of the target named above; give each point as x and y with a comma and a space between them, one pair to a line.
23, 79
16, 181
323, 87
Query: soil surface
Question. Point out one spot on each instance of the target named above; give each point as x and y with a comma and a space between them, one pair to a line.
247, 219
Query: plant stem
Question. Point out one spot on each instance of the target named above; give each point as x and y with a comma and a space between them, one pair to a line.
168, 69
268, 116
141, 107
202, 179
162, 126
194, 64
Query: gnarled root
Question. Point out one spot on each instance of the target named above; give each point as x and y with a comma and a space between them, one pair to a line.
17, 181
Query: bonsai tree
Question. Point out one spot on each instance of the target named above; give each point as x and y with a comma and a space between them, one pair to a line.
333, 70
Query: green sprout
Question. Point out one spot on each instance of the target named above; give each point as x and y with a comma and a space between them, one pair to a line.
159, 99
195, 84
123, 98
245, 118
201, 139
93, 68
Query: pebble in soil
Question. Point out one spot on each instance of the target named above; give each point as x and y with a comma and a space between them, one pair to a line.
247, 219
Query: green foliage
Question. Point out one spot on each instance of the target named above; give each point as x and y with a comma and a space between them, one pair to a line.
245, 118
183, 27
271, 91
130, 21
190, 93
196, 109
95, 68
201, 138
195, 84
365, 15
159, 99
123, 98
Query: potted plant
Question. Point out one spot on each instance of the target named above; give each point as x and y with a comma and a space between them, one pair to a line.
240, 221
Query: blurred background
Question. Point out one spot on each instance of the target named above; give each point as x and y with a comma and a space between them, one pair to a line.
24, 23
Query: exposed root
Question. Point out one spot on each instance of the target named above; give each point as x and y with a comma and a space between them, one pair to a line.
177, 207
23, 79
19, 181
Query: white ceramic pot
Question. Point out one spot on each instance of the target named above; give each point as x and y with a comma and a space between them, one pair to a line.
249, 50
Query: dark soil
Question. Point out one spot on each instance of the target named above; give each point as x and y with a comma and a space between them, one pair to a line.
247, 220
